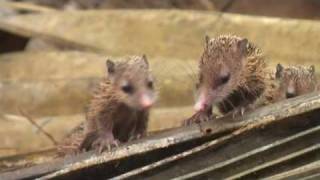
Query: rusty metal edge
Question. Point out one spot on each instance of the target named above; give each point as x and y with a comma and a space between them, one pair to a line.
30, 158
28, 154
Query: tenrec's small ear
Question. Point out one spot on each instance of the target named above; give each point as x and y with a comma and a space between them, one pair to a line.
207, 41
312, 69
279, 71
110, 66
242, 45
144, 58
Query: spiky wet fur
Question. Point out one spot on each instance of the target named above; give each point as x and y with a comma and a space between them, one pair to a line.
115, 113
106, 111
251, 80
303, 79
111, 114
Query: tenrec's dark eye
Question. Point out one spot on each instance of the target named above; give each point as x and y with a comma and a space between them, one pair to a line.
127, 89
197, 85
224, 79
290, 95
200, 78
150, 84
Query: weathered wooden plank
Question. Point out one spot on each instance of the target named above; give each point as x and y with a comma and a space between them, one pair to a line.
167, 31
26, 6
50, 85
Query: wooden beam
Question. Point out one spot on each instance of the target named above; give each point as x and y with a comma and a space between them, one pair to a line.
27, 7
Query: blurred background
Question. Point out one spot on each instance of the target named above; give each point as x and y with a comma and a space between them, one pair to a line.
53, 52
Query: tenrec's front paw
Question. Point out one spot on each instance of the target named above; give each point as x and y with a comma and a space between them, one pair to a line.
105, 143
197, 118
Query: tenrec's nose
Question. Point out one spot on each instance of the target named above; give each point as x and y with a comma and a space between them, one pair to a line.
146, 101
201, 103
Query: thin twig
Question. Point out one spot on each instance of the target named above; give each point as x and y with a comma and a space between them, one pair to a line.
29, 118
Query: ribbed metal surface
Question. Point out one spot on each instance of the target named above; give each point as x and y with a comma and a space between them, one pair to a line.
277, 141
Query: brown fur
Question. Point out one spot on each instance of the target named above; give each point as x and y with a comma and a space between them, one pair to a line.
301, 80
233, 76
114, 115
72, 141
271, 93
296, 80
117, 115
242, 61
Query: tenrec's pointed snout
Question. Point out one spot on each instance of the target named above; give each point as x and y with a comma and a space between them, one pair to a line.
201, 103
146, 101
